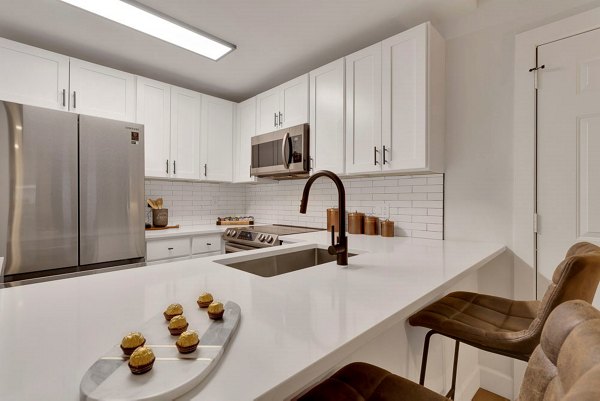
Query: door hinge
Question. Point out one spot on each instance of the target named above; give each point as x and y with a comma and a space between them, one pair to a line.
536, 220
535, 74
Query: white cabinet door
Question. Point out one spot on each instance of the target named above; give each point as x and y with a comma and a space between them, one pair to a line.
267, 111
245, 130
185, 133
363, 110
327, 117
217, 139
154, 111
404, 101
293, 102
101, 91
33, 76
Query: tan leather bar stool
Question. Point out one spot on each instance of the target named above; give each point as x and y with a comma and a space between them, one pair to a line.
564, 367
504, 326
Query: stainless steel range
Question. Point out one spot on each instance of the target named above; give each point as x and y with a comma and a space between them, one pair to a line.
250, 238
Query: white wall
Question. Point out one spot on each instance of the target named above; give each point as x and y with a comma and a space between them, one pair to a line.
479, 148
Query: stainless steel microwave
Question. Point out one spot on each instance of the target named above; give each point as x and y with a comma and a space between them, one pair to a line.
281, 154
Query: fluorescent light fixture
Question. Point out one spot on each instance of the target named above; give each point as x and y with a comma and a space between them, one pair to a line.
153, 23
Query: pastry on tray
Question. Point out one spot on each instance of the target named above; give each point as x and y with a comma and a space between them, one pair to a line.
178, 325
216, 310
187, 342
131, 341
141, 360
205, 299
172, 311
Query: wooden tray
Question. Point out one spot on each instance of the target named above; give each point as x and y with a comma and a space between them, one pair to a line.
236, 223
173, 374
161, 228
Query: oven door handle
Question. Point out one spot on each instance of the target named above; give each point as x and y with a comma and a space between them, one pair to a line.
286, 156
231, 248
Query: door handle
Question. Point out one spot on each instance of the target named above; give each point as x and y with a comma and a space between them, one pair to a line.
170, 249
384, 150
208, 243
167, 166
275, 120
285, 157
280, 119
174, 167
64, 97
375, 162
74, 100
205, 169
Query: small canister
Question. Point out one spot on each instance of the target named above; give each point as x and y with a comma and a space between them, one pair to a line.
332, 219
356, 223
387, 228
371, 225
160, 217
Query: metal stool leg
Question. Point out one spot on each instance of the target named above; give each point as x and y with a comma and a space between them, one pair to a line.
425, 353
454, 369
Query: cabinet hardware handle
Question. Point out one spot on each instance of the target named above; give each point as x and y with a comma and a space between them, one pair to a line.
384, 150
174, 167
208, 243
64, 97
74, 100
170, 249
205, 169
310, 163
280, 119
375, 162
275, 120
167, 166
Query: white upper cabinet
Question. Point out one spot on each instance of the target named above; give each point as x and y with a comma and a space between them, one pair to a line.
185, 133
327, 117
245, 129
154, 111
101, 91
283, 106
363, 110
395, 104
33, 76
217, 139
412, 102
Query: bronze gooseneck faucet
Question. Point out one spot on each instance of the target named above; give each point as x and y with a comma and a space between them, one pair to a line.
341, 248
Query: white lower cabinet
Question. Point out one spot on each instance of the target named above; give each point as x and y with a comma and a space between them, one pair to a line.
167, 248
183, 247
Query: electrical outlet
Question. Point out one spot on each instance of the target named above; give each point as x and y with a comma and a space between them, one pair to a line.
385, 211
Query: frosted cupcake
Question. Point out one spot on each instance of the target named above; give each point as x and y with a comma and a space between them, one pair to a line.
187, 342
172, 311
205, 299
178, 325
216, 310
141, 360
131, 341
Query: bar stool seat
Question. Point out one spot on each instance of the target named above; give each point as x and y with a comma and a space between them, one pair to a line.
491, 323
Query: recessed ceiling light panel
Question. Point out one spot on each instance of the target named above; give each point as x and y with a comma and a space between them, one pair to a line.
153, 23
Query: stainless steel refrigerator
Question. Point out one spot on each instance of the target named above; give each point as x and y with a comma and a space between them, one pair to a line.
71, 192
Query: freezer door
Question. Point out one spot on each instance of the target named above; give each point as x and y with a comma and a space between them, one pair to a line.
111, 190
38, 188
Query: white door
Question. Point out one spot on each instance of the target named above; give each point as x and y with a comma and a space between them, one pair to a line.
33, 76
217, 139
568, 148
294, 102
267, 111
404, 101
185, 133
101, 91
327, 117
154, 111
246, 129
363, 110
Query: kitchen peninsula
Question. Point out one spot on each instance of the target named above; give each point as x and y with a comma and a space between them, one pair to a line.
294, 327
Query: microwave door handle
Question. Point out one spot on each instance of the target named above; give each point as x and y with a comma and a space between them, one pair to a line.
284, 154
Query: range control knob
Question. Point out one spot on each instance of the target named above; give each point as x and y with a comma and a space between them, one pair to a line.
232, 233
228, 233
261, 238
269, 239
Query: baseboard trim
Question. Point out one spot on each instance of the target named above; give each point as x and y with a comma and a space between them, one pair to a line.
496, 382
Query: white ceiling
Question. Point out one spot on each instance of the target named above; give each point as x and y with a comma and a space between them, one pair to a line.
276, 39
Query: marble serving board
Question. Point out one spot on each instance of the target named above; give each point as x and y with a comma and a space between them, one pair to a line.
173, 374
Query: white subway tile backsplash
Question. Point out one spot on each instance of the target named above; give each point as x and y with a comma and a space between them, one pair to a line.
414, 203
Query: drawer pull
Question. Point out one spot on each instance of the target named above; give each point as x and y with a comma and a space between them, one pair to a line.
170, 249
208, 243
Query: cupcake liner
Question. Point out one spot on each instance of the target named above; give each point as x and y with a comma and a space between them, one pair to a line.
139, 370
216, 316
178, 330
187, 350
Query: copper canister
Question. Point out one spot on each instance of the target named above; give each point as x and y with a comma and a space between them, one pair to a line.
332, 218
371, 225
356, 223
387, 228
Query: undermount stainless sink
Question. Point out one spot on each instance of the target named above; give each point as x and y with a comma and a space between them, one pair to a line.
274, 265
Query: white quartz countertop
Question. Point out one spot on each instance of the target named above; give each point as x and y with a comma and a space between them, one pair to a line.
51, 332
187, 231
